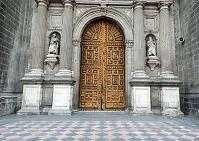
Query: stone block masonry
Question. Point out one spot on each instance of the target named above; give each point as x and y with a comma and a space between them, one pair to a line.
15, 23
189, 57
9, 11
15, 29
188, 51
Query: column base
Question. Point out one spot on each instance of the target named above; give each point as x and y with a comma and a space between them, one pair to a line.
35, 72
170, 101
168, 75
140, 74
29, 111
141, 100
62, 99
172, 112
64, 72
31, 100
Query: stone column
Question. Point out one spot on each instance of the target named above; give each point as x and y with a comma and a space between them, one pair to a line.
140, 91
32, 88
139, 51
66, 39
170, 99
38, 41
165, 40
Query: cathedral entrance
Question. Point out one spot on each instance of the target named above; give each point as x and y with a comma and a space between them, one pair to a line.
102, 78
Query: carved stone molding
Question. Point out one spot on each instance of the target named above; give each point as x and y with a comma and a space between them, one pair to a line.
151, 22
139, 4
52, 60
42, 2
111, 13
103, 9
165, 4
129, 43
70, 3
152, 62
76, 42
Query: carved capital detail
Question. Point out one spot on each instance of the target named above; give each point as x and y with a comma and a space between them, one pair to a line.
70, 3
129, 43
42, 2
76, 42
139, 4
165, 4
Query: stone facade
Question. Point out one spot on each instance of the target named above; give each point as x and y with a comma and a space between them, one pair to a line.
51, 82
187, 52
15, 30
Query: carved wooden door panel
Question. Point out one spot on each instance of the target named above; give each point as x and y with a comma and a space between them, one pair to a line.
102, 67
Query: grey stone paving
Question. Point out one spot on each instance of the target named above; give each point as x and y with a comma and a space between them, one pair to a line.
98, 127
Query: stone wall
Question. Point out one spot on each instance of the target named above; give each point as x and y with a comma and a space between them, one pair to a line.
15, 29
15, 26
187, 26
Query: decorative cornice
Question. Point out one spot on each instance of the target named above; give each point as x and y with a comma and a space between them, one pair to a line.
139, 4
70, 3
42, 2
165, 4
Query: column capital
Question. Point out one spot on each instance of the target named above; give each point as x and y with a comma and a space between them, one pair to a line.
139, 4
68, 3
42, 2
129, 43
76, 41
165, 4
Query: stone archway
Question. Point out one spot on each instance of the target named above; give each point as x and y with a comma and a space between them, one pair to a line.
81, 23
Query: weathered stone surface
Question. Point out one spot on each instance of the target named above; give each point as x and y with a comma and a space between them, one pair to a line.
187, 51
69, 18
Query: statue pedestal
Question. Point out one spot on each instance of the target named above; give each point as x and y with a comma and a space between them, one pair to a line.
141, 100
52, 60
152, 62
62, 99
171, 101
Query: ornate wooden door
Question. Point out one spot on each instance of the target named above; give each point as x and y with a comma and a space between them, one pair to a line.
102, 83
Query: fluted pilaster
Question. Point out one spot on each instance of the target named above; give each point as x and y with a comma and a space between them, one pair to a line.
38, 41
165, 40
139, 42
66, 39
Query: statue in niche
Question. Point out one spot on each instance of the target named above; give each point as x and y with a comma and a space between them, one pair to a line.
152, 59
151, 46
54, 44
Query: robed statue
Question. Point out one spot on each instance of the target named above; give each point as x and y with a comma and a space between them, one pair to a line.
54, 44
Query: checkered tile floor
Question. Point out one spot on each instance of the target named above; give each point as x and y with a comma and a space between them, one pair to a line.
97, 130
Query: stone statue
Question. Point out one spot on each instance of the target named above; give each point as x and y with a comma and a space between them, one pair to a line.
151, 47
54, 44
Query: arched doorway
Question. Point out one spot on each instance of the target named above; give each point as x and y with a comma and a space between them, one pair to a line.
102, 67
